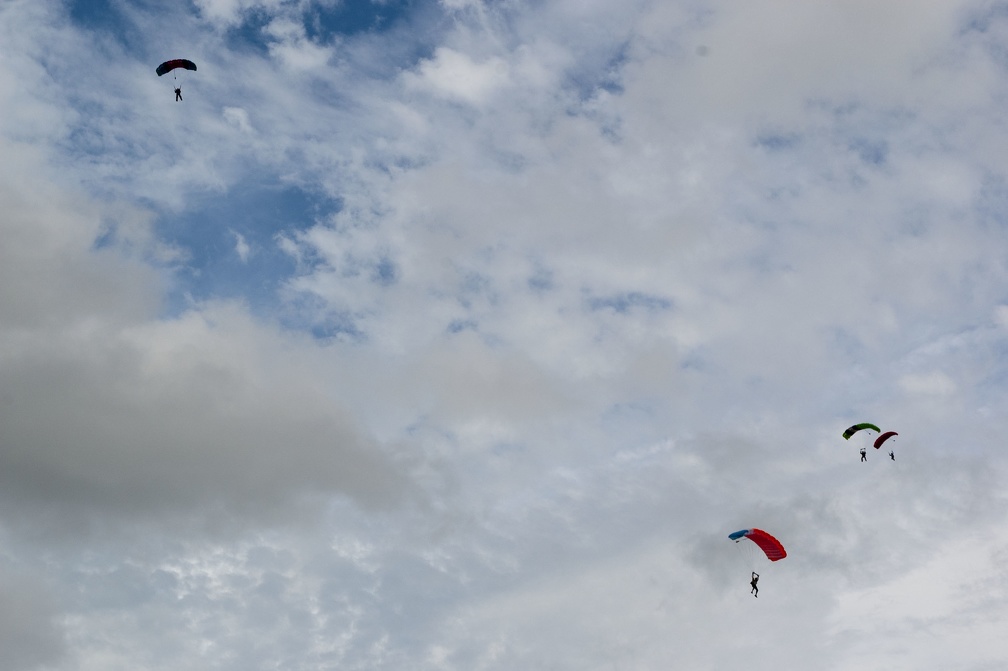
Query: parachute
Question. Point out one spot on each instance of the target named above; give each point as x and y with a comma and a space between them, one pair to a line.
883, 438
771, 546
858, 427
168, 66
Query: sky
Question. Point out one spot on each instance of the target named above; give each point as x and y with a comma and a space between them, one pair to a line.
459, 334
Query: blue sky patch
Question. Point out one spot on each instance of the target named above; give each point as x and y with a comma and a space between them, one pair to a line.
385, 272
870, 151
459, 325
338, 327
778, 141
231, 240
541, 280
600, 72
323, 22
625, 302
113, 23
96, 14
249, 35
310, 313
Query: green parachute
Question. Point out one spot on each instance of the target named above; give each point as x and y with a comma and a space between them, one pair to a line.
858, 427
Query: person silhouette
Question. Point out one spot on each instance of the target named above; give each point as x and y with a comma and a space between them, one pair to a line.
178, 93
864, 455
892, 456
755, 579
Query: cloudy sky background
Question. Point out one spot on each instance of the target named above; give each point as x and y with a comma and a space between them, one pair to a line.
460, 334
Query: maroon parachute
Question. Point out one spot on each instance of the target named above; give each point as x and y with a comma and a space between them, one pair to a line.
168, 66
883, 438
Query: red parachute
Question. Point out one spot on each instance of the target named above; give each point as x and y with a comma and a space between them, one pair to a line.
771, 547
883, 438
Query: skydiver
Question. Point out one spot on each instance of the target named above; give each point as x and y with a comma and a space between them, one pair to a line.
178, 93
864, 456
892, 456
755, 579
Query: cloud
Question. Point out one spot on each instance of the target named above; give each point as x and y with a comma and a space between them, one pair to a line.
241, 247
932, 383
154, 416
461, 336
913, 604
239, 118
230, 12
30, 634
164, 418
453, 75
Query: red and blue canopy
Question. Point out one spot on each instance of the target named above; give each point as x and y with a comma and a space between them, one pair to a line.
770, 545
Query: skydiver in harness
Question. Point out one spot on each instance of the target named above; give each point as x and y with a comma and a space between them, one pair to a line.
178, 93
864, 456
755, 579
892, 456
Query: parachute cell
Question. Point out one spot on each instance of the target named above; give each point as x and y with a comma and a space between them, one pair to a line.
168, 66
858, 427
771, 547
883, 438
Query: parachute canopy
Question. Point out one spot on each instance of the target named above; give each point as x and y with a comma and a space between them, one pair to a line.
770, 545
857, 427
883, 438
168, 66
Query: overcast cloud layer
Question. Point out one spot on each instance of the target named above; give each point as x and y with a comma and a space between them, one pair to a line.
461, 334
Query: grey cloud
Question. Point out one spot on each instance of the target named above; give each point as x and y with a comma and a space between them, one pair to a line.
105, 410
573, 325
30, 633
107, 428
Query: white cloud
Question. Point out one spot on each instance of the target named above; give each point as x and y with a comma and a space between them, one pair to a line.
238, 117
292, 48
456, 76
241, 247
935, 383
955, 591
587, 296
1001, 315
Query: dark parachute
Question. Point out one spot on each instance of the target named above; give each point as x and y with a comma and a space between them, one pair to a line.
883, 438
168, 66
